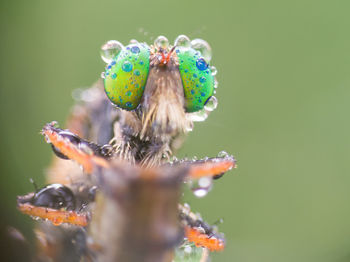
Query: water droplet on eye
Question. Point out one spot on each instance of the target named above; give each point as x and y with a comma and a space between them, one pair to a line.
133, 41
201, 64
202, 186
135, 49
161, 42
216, 83
110, 49
211, 104
203, 47
182, 41
127, 66
198, 116
213, 70
202, 79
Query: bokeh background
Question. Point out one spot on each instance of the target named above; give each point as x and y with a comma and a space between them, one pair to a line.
284, 91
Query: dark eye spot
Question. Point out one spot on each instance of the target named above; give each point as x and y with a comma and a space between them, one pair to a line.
54, 196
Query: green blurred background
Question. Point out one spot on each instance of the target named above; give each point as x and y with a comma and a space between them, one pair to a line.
284, 89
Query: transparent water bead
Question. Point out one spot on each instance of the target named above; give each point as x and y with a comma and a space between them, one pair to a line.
213, 70
161, 42
211, 104
202, 186
223, 154
216, 83
133, 41
182, 41
203, 47
198, 116
110, 49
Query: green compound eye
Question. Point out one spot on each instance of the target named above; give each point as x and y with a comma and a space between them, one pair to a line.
126, 76
197, 78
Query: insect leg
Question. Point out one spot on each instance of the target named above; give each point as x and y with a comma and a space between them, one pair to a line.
74, 148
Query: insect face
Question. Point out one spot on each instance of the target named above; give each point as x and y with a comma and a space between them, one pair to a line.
127, 73
165, 88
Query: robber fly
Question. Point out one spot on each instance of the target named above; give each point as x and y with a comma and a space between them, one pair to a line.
118, 200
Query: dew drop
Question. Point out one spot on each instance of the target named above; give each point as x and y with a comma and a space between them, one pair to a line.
114, 76
110, 49
137, 72
127, 66
173, 159
201, 64
103, 75
211, 104
223, 154
135, 49
202, 79
133, 41
161, 42
216, 83
203, 47
202, 186
182, 41
188, 249
213, 70
189, 127
198, 116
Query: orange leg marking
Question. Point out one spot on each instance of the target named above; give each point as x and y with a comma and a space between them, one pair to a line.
211, 168
57, 217
72, 152
202, 240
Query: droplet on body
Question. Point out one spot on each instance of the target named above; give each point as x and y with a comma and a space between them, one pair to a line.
203, 47
201, 64
216, 83
135, 49
110, 49
161, 42
201, 187
211, 104
213, 70
127, 66
133, 41
188, 249
182, 41
198, 116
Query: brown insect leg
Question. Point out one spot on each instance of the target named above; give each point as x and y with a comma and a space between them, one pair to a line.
203, 240
57, 217
72, 151
212, 167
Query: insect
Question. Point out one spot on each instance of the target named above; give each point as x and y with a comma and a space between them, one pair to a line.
118, 200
